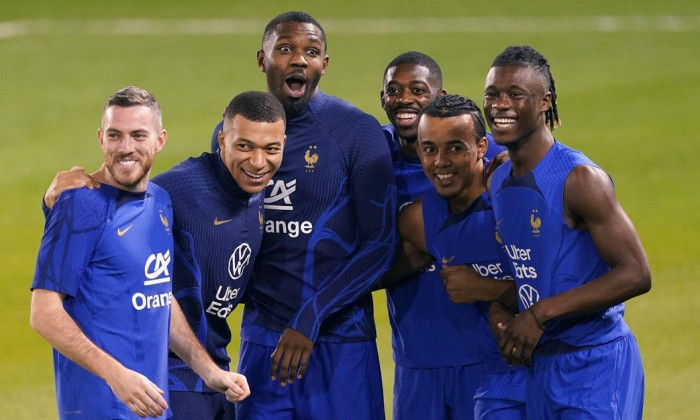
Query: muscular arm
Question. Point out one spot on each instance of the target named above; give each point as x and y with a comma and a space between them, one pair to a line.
52, 322
590, 204
185, 344
412, 251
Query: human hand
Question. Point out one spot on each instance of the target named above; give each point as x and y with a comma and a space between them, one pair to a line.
291, 356
462, 284
519, 337
65, 180
141, 395
232, 384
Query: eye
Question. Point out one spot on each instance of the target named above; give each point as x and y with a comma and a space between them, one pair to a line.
427, 150
313, 52
284, 48
392, 91
418, 91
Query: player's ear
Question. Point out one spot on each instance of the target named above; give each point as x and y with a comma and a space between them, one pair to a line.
220, 139
161, 140
261, 60
482, 146
546, 102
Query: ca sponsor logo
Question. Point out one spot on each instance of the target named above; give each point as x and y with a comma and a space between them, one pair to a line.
528, 295
279, 198
156, 268
239, 260
156, 272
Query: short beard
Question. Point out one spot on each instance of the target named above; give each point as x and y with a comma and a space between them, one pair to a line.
293, 108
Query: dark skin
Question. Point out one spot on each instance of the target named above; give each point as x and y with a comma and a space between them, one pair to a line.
515, 99
407, 89
452, 159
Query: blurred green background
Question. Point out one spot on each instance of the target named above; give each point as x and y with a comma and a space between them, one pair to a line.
627, 76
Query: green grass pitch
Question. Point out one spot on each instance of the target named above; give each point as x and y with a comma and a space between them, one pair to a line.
626, 75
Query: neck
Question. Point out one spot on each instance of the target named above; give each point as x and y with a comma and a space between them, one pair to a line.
527, 153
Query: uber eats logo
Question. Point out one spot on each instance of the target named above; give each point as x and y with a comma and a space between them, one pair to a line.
280, 199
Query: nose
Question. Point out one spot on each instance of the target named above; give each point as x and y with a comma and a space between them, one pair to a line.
127, 144
298, 59
405, 97
441, 159
257, 158
501, 102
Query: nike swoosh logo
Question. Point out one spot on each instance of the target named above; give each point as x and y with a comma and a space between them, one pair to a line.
447, 260
122, 232
218, 222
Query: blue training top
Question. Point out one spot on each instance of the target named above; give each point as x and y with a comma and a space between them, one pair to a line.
109, 252
217, 230
547, 256
420, 332
330, 228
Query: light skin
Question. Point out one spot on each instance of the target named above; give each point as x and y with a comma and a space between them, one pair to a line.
407, 89
251, 151
452, 159
130, 137
293, 59
515, 99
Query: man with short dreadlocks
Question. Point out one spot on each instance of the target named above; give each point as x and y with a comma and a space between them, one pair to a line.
574, 251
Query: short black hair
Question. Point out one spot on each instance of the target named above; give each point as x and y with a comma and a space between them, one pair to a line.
525, 55
418, 58
255, 106
293, 16
454, 105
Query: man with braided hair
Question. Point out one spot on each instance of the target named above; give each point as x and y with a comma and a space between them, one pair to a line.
438, 348
453, 225
574, 252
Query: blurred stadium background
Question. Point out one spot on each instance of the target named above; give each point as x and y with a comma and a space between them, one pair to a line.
626, 75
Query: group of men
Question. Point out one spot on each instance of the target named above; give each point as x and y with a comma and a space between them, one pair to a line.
505, 277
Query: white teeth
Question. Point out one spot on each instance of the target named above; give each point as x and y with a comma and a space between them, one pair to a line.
127, 162
252, 175
444, 176
405, 115
504, 121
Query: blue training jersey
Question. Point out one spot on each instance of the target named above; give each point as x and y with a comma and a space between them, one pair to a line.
109, 252
217, 229
468, 238
419, 332
547, 256
330, 228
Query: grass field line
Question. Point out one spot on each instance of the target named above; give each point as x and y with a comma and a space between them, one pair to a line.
388, 26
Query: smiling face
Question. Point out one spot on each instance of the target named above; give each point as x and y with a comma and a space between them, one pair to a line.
408, 88
294, 59
452, 158
515, 99
130, 138
251, 151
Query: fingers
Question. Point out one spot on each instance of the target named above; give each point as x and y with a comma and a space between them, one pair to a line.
276, 357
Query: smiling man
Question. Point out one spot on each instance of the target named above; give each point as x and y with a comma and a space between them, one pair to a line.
329, 235
575, 253
102, 292
452, 224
